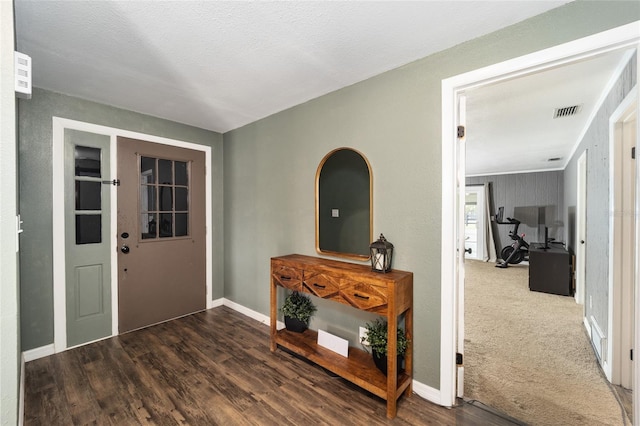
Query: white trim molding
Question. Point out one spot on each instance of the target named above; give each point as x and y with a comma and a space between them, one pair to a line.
37, 353
21, 393
264, 319
616, 239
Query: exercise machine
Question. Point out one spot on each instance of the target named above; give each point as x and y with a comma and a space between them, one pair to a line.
519, 249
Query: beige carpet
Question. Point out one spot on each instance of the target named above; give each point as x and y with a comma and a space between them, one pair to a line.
527, 353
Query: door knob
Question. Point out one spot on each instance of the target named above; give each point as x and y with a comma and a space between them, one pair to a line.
124, 249
581, 241
468, 250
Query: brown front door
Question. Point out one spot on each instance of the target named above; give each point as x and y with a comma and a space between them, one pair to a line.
161, 233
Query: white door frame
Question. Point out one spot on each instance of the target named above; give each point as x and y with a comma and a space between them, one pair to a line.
618, 362
59, 270
624, 36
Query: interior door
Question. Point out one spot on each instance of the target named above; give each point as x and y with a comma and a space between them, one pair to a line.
87, 236
161, 233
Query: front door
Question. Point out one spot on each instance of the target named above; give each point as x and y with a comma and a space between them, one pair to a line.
161, 233
87, 236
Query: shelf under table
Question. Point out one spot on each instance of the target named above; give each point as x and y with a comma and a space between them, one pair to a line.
358, 368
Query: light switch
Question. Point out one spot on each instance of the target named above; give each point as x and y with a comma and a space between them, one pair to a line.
335, 212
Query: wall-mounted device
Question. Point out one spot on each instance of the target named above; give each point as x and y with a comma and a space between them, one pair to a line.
22, 75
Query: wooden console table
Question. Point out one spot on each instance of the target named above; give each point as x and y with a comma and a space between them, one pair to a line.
389, 295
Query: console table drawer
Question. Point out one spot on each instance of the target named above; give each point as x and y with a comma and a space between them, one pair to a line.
287, 277
321, 285
364, 296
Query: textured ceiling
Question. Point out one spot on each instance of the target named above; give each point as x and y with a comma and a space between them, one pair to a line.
221, 65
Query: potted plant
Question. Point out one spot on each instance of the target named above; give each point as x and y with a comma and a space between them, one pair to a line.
376, 338
297, 310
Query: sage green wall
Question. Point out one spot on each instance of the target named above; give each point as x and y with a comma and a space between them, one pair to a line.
394, 119
35, 150
10, 359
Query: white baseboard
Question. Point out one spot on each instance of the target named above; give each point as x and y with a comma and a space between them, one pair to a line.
215, 303
37, 353
264, 319
587, 326
427, 392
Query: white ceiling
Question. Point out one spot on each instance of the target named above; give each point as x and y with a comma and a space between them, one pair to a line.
510, 125
220, 65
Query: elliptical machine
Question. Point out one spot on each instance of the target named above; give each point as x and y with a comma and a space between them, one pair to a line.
519, 249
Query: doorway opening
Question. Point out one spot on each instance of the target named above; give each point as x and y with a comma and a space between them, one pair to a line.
452, 251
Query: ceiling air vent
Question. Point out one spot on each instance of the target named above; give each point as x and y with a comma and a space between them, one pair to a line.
567, 111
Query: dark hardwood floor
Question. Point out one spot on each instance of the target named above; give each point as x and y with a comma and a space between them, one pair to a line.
210, 368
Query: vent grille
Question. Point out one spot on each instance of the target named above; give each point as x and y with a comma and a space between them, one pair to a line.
567, 111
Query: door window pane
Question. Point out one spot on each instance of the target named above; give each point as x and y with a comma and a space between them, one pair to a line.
147, 198
182, 223
148, 170
88, 195
166, 225
166, 199
87, 161
182, 199
148, 225
88, 229
165, 172
181, 173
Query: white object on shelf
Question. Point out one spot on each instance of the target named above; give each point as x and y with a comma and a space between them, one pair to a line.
333, 343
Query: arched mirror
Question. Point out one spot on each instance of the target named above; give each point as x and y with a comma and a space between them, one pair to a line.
344, 204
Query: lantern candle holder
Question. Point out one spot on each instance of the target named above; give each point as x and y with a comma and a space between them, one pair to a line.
381, 255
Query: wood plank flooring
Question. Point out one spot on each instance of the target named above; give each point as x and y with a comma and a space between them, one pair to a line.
210, 368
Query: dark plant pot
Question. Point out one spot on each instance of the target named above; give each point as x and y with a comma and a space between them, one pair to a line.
294, 324
380, 360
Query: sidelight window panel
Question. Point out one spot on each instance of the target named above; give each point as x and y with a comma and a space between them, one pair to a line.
88, 229
87, 161
88, 195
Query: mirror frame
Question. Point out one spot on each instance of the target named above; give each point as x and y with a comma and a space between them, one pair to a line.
353, 256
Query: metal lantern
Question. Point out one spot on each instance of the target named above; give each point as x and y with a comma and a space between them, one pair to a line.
381, 254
